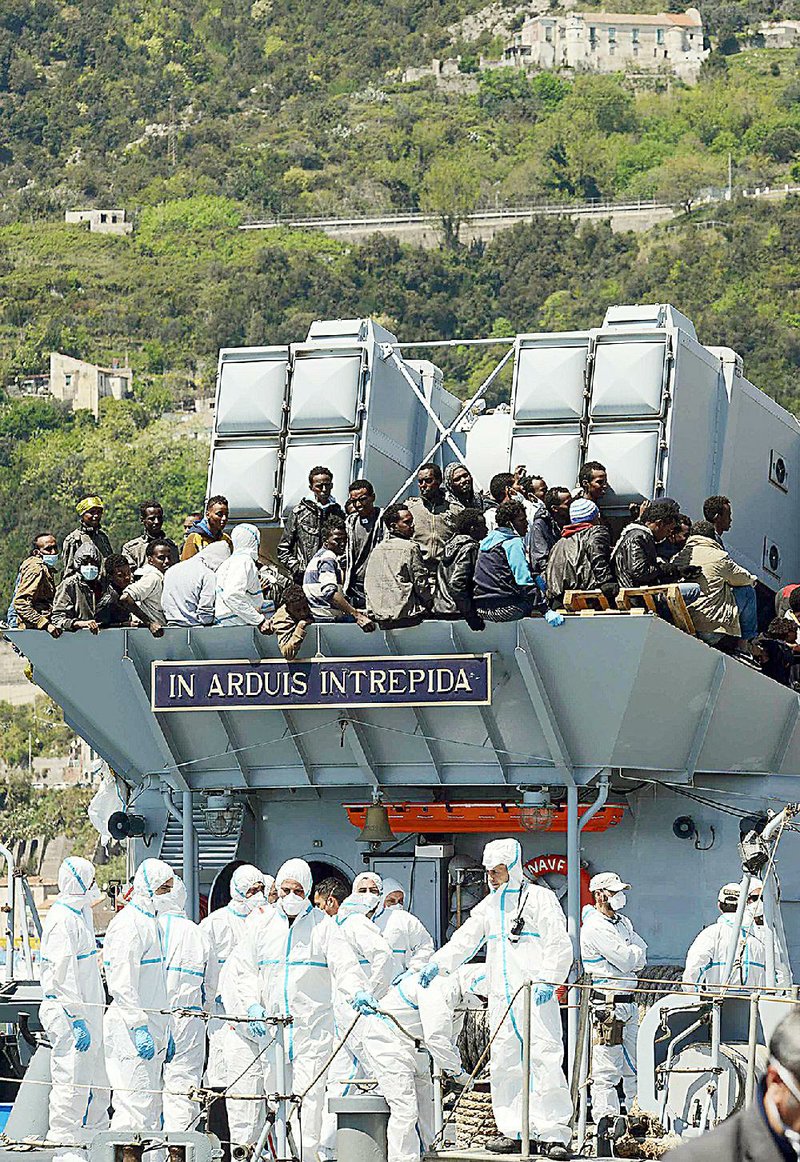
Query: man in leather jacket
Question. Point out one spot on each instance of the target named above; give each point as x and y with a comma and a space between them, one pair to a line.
302, 532
636, 560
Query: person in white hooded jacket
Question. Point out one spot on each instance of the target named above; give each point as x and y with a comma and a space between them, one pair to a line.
190, 970
250, 890
525, 933
239, 598
612, 953
72, 1009
283, 967
135, 1026
410, 941
355, 926
705, 960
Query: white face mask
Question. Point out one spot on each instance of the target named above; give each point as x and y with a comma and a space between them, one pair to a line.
389, 907
791, 1136
250, 903
292, 905
618, 901
165, 902
89, 572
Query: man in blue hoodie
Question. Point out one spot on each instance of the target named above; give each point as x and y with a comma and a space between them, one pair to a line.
504, 587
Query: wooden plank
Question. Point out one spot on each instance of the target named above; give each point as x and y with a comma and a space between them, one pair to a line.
681, 616
577, 600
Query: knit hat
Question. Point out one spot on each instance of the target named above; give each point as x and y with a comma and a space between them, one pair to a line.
583, 511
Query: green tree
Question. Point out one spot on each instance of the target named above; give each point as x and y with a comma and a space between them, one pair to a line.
451, 190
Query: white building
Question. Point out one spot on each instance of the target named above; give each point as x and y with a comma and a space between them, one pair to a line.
101, 221
608, 42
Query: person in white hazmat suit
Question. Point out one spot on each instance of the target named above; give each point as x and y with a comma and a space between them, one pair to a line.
408, 938
525, 933
135, 1027
283, 967
190, 972
71, 1011
434, 1017
356, 928
612, 953
705, 960
250, 890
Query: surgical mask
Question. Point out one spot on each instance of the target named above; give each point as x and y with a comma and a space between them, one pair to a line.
389, 907
165, 901
90, 572
756, 910
360, 902
618, 901
51, 560
292, 905
250, 903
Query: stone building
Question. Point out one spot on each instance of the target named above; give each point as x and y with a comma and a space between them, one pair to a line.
609, 42
85, 384
101, 221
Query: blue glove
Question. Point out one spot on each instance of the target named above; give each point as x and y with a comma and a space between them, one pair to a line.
256, 1025
554, 619
170, 1049
365, 1004
429, 973
80, 1031
461, 1078
542, 993
541, 583
145, 1045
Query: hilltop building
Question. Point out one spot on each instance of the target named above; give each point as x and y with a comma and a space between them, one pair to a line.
609, 42
85, 384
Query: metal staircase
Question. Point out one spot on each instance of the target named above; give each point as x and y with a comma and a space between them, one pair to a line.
214, 851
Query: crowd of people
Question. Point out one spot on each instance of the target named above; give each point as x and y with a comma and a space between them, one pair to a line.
199, 1014
451, 552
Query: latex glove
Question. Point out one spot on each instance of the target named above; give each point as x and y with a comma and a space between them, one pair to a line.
170, 1049
542, 993
541, 582
256, 1025
461, 1078
145, 1045
554, 619
428, 974
365, 1004
80, 1031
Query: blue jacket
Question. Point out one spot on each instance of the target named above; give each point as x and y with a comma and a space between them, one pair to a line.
502, 572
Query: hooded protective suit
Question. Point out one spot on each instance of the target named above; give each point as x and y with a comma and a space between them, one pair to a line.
72, 1009
540, 953
188, 964
430, 1016
135, 1028
410, 941
239, 597
285, 967
224, 929
705, 960
612, 954
357, 930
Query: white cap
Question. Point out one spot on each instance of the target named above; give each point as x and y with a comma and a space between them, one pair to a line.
728, 893
607, 882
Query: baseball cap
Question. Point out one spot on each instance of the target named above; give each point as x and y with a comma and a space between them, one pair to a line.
607, 882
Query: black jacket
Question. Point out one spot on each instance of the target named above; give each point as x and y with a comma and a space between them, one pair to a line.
636, 561
543, 533
454, 580
746, 1137
581, 559
302, 535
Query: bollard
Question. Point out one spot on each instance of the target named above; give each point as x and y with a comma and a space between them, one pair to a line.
526, 1072
752, 1028
362, 1121
30, 1112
